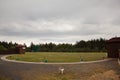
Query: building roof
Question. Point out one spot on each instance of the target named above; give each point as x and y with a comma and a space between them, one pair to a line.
115, 39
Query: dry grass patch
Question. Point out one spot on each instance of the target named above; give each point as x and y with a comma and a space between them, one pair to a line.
109, 75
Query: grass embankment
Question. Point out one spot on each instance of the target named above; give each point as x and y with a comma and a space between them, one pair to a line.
58, 56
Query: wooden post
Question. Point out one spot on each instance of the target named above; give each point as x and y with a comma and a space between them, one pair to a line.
119, 57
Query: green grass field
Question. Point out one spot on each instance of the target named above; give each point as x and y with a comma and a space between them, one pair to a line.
58, 56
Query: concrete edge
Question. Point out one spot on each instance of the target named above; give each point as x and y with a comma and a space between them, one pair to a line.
82, 62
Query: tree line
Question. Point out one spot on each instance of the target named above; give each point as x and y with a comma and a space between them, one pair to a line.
7, 45
94, 45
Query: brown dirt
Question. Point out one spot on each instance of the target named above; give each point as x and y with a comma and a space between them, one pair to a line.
108, 75
108, 70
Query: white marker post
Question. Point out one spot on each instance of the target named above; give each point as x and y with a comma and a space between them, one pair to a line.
61, 70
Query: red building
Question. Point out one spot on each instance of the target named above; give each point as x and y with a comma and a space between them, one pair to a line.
20, 49
113, 47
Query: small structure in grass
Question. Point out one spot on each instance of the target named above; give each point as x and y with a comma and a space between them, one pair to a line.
81, 59
46, 60
113, 46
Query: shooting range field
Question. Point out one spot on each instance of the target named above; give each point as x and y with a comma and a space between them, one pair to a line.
58, 56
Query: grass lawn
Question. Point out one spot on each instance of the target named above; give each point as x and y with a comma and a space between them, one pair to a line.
58, 56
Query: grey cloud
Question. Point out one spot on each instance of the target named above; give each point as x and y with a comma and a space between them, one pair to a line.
48, 29
51, 19
116, 21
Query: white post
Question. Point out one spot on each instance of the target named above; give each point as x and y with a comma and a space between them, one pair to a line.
61, 70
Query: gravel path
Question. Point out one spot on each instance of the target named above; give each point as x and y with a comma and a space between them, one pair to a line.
22, 71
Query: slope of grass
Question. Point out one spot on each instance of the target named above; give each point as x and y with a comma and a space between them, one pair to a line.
58, 56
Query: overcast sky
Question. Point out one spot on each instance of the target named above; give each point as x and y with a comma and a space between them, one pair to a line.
58, 21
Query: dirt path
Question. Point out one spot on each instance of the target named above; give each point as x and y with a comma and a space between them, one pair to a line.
22, 71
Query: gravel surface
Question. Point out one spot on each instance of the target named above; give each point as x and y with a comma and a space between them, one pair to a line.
88, 71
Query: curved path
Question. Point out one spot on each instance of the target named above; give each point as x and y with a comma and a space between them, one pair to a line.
82, 62
23, 71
